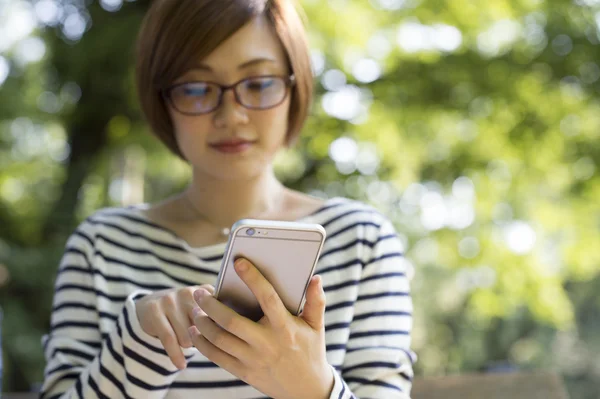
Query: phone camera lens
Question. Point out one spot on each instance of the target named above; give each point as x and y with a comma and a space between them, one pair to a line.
250, 232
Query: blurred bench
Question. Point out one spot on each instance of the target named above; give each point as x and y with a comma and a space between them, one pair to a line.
513, 385
521, 385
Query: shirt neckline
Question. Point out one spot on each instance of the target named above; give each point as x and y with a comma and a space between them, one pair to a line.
218, 249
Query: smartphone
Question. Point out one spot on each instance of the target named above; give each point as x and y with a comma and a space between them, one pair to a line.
286, 253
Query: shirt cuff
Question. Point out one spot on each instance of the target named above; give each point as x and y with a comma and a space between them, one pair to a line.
138, 334
340, 389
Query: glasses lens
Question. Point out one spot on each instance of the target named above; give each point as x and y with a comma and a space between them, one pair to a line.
261, 92
196, 97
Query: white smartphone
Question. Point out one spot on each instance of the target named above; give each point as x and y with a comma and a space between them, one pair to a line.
286, 253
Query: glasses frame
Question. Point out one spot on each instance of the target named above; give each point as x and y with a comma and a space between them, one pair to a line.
290, 80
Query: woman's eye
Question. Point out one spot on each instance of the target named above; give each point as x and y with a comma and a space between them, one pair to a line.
196, 91
259, 85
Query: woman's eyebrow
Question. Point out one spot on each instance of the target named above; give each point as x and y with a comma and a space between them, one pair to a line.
255, 61
243, 65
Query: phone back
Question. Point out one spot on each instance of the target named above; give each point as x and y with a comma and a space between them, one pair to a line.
286, 253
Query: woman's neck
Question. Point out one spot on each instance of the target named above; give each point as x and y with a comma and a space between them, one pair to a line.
221, 203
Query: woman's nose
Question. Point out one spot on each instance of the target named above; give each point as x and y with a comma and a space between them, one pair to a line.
230, 112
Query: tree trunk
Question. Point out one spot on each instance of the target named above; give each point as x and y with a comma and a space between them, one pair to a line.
87, 140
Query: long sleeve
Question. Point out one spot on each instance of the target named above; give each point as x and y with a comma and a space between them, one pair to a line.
378, 360
95, 354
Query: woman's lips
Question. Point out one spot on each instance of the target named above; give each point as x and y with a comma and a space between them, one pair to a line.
232, 146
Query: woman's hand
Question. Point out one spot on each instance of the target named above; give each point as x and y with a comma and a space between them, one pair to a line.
167, 315
282, 355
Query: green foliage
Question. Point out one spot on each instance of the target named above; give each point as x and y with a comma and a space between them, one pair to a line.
484, 153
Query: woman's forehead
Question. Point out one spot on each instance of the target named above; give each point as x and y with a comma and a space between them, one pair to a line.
254, 44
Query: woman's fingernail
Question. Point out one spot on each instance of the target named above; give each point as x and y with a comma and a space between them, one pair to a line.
193, 331
241, 265
317, 280
196, 312
199, 294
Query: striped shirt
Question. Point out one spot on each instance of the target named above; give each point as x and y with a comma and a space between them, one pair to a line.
96, 348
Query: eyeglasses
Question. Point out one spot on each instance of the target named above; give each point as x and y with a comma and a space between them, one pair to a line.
257, 92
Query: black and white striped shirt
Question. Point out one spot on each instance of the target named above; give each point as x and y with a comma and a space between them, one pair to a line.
96, 348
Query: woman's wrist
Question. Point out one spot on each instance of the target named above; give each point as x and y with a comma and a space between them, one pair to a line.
327, 382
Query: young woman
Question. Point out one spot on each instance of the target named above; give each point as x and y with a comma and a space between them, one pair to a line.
225, 85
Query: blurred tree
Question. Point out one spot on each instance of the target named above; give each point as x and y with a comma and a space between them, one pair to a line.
96, 64
475, 126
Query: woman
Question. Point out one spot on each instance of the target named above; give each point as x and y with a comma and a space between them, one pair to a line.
225, 85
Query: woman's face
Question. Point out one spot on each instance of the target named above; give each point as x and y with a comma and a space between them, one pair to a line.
234, 142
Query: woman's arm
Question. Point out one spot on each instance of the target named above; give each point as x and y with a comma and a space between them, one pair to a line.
83, 362
378, 361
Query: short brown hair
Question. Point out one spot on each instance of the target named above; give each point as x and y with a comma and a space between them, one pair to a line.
176, 33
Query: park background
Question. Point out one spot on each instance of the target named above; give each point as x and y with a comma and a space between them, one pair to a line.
474, 125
